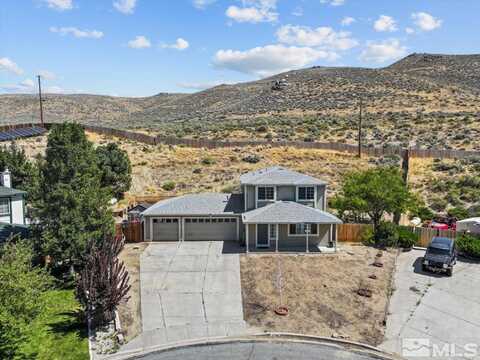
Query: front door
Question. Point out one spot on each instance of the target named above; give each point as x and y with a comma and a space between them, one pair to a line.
262, 236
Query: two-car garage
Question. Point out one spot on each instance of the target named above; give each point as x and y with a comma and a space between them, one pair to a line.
194, 228
196, 217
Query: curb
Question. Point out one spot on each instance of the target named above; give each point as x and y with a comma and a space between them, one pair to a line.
261, 337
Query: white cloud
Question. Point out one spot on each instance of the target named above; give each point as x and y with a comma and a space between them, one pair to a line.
28, 86
383, 51
425, 21
140, 42
409, 30
8, 65
333, 2
92, 34
60, 5
125, 6
347, 21
254, 11
324, 37
203, 85
47, 75
180, 44
385, 23
298, 11
270, 59
202, 4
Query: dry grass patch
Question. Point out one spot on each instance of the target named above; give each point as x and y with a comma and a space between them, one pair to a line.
320, 292
129, 312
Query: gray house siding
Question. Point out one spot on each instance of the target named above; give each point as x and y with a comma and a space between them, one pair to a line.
286, 193
321, 197
322, 239
250, 192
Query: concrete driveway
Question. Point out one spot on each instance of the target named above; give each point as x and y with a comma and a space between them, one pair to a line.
428, 311
189, 290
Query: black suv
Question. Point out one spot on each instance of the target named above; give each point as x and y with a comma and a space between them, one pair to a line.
440, 256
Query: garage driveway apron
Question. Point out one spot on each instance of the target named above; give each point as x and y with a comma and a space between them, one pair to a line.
189, 290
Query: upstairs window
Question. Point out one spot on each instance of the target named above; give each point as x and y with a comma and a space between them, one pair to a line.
306, 193
266, 193
4, 207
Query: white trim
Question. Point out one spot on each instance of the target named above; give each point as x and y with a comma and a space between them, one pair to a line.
311, 234
256, 238
246, 237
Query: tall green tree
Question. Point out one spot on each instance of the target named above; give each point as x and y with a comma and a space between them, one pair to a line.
71, 207
21, 294
115, 167
372, 193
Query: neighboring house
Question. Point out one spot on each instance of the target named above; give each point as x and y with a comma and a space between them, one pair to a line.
134, 212
277, 208
12, 202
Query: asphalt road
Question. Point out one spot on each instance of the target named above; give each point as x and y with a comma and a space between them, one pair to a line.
260, 351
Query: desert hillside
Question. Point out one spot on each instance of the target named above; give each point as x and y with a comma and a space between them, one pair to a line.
424, 100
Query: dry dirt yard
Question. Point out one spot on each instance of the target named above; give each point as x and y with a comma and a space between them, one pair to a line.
320, 292
129, 312
196, 170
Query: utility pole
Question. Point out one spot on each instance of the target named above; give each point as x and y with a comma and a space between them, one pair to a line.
40, 99
360, 130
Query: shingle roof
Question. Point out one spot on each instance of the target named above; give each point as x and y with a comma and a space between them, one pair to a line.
277, 175
198, 204
289, 212
6, 191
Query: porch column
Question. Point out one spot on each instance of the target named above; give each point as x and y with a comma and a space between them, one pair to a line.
247, 240
276, 237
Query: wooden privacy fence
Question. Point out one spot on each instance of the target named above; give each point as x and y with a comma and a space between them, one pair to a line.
352, 233
213, 144
133, 231
425, 235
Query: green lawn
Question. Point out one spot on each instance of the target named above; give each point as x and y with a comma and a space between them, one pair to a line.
57, 334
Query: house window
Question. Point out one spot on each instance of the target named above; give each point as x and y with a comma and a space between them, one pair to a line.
306, 193
299, 229
266, 193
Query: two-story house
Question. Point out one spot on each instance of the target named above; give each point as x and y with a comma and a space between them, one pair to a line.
277, 209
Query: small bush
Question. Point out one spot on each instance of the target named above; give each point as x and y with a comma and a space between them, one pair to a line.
252, 159
208, 161
386, 234
168, 186
367, 236
406, 238
469, 245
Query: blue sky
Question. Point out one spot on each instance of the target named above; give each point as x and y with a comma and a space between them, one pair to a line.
143, 47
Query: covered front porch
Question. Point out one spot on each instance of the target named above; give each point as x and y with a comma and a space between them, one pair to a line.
289, 226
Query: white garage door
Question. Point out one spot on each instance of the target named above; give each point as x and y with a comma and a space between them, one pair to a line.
165, 229
210, 229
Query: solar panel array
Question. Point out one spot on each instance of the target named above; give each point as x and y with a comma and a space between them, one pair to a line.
13, 134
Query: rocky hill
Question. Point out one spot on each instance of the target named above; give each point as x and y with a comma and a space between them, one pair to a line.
426, 99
